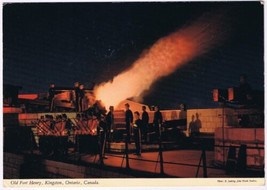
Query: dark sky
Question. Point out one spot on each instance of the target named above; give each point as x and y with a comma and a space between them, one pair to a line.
92, 42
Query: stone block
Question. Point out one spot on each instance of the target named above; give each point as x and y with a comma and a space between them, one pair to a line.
250, 160
260, 134
253, 152
262, 153
259, 161
240, 134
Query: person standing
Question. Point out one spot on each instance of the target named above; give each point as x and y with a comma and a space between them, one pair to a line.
51, 97
157, 124
81, 98
102, 138
128, 121
57, 140
68, 123
110, 123
145, 121
76, 92
50, 140
128, 124
137, 133
157, 121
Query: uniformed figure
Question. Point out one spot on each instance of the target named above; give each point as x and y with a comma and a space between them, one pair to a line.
77, 92
49, 144
102, 137
68, 123
76, 127
41, 128
56, 136
50, 123
157, 121
41, 132
57, 126
128, 121
84, 123
81, 98
110, 123
51, 97
79, 133
145, 121
137, 132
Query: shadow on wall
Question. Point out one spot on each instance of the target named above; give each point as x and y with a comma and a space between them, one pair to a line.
195, 125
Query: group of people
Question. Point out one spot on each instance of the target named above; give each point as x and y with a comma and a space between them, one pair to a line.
48, 126
139, 125
55, 133
84, 124
77, 97
101, 125
195, 126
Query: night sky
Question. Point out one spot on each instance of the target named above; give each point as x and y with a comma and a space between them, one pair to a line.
93, 42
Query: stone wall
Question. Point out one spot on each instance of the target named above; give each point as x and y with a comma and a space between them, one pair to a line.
18, 166
12, 164
252, 137
210, 119
217, 117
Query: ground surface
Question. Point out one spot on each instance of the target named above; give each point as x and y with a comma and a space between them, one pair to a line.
179, 163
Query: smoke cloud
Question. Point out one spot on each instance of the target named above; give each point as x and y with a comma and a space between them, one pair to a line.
163, 58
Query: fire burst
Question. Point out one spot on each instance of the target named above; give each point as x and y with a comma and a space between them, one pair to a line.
164, 57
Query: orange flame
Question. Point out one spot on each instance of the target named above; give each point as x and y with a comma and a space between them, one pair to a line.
164, 57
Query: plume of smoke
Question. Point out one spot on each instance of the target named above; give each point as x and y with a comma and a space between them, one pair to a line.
164, 57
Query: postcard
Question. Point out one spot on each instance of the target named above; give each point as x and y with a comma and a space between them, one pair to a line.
133, 94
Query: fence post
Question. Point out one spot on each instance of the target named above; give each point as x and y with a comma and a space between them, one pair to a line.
231, 160
161, 158
204, 163
242, 158
127, 150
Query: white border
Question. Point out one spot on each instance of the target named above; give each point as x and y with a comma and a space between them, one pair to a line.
192, 181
